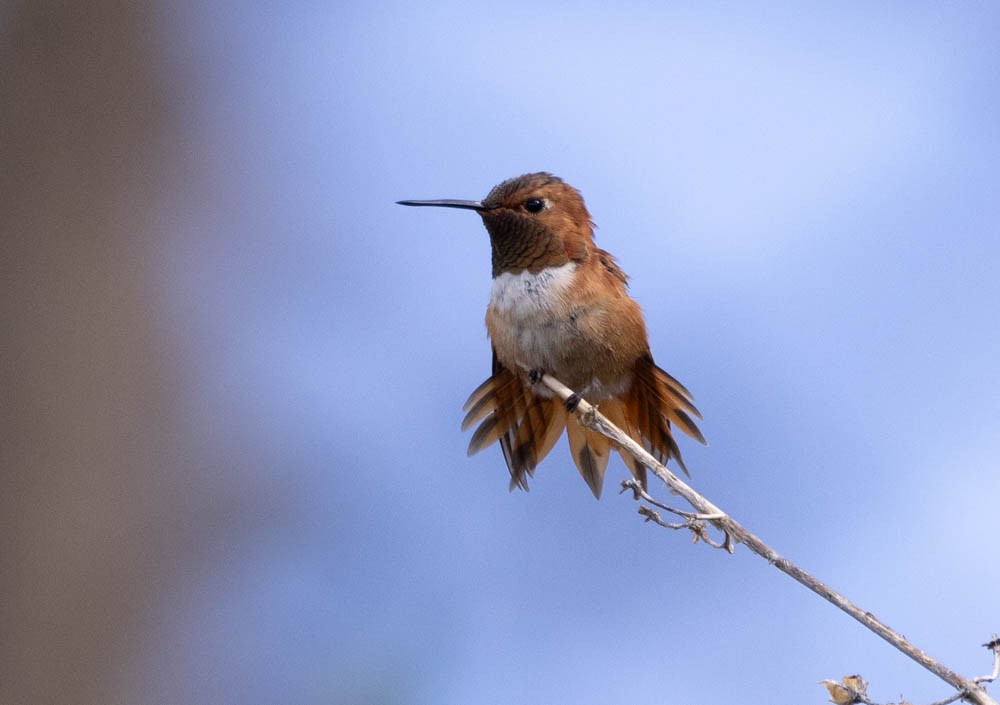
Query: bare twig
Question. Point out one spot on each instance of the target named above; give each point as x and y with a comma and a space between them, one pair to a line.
692, 520
589, 416
994, 646
950, 699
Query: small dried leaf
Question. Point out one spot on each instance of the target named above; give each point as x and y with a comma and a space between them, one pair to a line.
843, 693
838, 693
856, 683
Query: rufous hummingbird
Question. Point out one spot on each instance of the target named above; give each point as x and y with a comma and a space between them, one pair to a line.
559, 305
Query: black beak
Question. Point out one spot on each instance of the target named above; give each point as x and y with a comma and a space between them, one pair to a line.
448, 203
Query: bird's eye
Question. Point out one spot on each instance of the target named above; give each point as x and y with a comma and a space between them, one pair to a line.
534, 205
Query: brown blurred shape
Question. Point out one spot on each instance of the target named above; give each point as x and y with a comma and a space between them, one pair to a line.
92, 522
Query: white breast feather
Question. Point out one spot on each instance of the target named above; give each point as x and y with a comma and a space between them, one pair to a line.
530, 316
525, 296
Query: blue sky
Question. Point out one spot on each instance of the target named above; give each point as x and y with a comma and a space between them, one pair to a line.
805, 197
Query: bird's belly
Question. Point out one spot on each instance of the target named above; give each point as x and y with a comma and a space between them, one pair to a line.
535, 324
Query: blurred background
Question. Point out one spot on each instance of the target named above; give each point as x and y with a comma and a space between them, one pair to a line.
232, 469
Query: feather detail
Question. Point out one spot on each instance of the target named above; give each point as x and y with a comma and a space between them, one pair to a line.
616, 413
495, 392
590, 451
527, 426
537, 432
653, 401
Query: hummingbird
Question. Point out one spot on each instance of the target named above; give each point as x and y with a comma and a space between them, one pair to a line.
559, 305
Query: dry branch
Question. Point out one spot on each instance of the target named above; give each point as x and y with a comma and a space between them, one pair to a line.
705, 511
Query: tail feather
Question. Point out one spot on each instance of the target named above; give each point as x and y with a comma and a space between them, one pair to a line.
537, 433
590, 451
673, 399
654, 401
489, 396
617, 414
676, 387
503, 404
527, 425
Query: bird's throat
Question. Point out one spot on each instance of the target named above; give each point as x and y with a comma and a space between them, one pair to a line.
520, 243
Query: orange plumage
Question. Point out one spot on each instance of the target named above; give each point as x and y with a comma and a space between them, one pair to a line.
559, 304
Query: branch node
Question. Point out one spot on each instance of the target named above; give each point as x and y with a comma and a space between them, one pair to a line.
994, 646
588, 416
634, 486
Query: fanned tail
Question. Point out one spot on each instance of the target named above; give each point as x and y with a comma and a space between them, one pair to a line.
590, 451
652, 403
615, 411
526, 425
